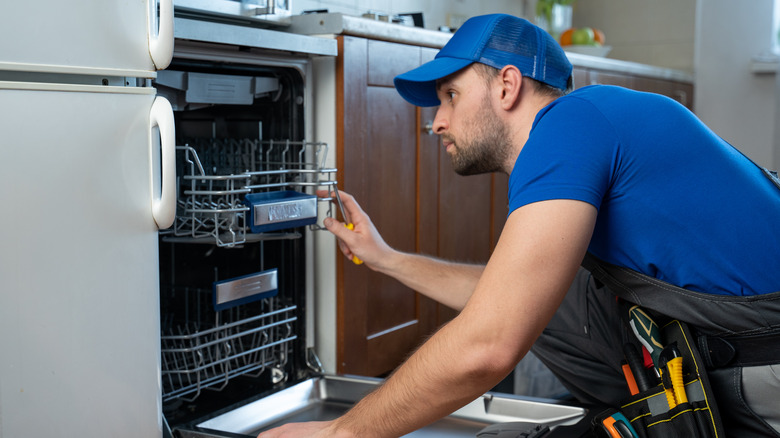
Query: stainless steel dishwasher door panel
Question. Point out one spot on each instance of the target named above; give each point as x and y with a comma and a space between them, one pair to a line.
327, 397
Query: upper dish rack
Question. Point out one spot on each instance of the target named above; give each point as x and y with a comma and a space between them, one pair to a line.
226, 184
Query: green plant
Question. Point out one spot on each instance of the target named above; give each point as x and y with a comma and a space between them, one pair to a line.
544, 7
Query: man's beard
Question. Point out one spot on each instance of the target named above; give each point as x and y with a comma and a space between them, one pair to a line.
487, 149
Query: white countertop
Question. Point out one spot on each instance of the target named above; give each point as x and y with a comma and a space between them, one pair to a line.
340, 24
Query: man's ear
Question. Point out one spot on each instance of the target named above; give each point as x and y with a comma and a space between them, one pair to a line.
511, 83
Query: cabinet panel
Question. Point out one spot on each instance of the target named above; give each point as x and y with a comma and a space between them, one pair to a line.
391, 153
388, 60
378, 319
464, 206
428, 166
609, 78
350, 116
680, 91
500, 206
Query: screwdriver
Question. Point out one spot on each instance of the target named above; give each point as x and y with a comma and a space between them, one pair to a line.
647, 331
347, 223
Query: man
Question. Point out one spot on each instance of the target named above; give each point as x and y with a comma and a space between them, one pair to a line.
633, 179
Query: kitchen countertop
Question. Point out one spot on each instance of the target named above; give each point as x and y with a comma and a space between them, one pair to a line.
340, 24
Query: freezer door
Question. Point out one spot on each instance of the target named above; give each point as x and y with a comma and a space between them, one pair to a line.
113, 37
79, 280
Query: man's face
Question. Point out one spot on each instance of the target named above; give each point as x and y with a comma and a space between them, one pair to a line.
476, 139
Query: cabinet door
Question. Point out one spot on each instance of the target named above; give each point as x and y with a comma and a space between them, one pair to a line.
402, 177
379, 319
429, 153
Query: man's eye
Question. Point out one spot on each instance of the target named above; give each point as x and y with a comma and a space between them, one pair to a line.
450, 95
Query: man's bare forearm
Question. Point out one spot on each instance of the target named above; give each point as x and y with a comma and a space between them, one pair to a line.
449, 283
453, 368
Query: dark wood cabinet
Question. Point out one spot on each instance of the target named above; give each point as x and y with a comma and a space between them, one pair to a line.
378, 319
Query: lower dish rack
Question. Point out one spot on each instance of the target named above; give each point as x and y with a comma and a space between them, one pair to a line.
220, 178
205, 349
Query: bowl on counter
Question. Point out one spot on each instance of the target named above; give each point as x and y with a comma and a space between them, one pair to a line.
600, 51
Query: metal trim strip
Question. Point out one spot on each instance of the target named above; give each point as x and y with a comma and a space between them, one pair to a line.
222, 33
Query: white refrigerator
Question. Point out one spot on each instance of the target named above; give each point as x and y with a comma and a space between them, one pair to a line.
86, 181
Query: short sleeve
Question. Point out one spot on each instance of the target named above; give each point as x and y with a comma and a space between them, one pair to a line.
570, 154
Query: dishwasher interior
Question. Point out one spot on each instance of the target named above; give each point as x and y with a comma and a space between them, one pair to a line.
233, 266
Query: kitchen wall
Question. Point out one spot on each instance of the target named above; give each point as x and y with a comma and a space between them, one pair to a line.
716, 41
658, 32
740, 105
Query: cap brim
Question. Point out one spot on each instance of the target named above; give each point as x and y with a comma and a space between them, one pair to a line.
418, 86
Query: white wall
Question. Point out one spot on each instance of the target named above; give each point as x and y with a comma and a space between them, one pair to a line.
739, 105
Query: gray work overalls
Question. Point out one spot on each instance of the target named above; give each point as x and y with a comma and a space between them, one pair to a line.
738, 338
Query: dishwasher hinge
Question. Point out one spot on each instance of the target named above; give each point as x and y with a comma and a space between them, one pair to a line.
313, 361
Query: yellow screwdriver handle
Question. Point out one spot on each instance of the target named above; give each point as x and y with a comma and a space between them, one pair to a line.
670, 398
355, 259
675, 372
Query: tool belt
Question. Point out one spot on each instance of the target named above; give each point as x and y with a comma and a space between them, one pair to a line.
718, 332
657, 411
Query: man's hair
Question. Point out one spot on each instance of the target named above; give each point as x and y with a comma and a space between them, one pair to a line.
489, 73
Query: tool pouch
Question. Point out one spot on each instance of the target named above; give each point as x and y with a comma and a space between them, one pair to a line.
649, 411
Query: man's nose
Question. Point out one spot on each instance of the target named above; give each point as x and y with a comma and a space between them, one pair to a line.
440, 123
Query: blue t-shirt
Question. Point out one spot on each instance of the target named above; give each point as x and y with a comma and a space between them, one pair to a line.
674, 200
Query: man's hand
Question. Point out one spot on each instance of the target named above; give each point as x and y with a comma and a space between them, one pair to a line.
363, 241
314, 429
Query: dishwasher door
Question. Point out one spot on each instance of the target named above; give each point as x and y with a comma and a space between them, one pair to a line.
327, 397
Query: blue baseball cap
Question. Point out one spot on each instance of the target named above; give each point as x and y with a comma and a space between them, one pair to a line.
496, 40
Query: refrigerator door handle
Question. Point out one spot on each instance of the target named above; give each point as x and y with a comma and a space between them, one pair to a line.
161, 37
164, 206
